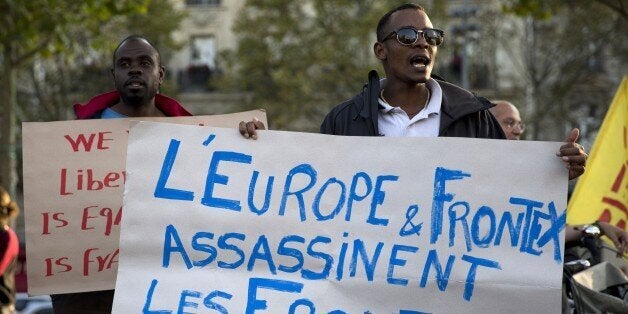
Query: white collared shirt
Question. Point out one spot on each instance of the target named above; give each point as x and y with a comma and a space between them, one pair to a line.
394, 121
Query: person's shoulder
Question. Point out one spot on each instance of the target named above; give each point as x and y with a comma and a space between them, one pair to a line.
461, 95
346, 109
451, 88
347, 104
170, 106
98, 103
357, 101
340, 115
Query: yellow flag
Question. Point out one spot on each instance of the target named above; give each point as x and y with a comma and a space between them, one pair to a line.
602, 191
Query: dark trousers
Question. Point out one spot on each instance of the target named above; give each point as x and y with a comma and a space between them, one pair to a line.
95, 302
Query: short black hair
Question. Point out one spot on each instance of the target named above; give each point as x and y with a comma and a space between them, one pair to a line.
383, 22
136, 37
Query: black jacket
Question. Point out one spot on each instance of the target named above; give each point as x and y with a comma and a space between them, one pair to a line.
462, 113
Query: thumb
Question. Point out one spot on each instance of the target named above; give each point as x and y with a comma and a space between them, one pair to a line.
573, 136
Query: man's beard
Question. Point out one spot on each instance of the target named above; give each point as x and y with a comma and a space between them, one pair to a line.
138, 99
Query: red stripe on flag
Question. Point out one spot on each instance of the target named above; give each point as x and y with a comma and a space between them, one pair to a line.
619, 179
615, 203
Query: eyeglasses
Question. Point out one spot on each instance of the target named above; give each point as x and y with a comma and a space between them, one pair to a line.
511, 124
408, 36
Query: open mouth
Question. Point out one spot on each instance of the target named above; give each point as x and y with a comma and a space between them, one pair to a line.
135, 84
420, 61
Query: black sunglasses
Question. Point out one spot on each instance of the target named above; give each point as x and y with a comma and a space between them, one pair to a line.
408, 36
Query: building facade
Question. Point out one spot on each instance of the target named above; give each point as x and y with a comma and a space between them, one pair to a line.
206, 30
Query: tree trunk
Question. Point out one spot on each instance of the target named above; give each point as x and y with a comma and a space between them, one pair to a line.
8, 103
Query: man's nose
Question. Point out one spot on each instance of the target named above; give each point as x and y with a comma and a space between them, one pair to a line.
135, 69
421, 42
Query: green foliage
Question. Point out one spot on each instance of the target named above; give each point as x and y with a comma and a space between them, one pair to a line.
54, 48
545, 9
539, 9
81, 70
156, 22
31, 27
567, 60
298, 58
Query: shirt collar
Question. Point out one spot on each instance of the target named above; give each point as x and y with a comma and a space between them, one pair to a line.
433, 106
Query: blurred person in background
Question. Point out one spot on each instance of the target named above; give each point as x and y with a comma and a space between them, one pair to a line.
509, 119
9, 249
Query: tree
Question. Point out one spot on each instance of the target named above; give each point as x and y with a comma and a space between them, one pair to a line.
567, 57
68, 77
40, 27
546, 8
308, 56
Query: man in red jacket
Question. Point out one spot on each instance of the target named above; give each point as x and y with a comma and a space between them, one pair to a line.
137, 75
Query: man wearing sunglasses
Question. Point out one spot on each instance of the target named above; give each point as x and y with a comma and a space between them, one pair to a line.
409, 101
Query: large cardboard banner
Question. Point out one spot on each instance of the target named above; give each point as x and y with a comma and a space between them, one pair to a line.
308, 223
74, 174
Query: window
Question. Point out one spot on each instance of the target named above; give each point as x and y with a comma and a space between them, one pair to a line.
203, 52
202, 64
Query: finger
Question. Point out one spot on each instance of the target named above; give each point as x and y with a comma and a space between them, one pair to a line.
572, 153
575, 172
577, 160
575, 164
573, 136
259, 125
624, 243
571, 149
242, 129
624, 248
618, 245
250, 128
621, 246
572, 146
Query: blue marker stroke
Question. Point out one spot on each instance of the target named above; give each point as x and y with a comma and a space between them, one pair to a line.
209, 139
409, 227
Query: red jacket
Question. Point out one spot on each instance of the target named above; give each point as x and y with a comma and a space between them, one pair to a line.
97, 104
9, 248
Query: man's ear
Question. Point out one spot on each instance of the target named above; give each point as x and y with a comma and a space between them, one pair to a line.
162, 74
380, 51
